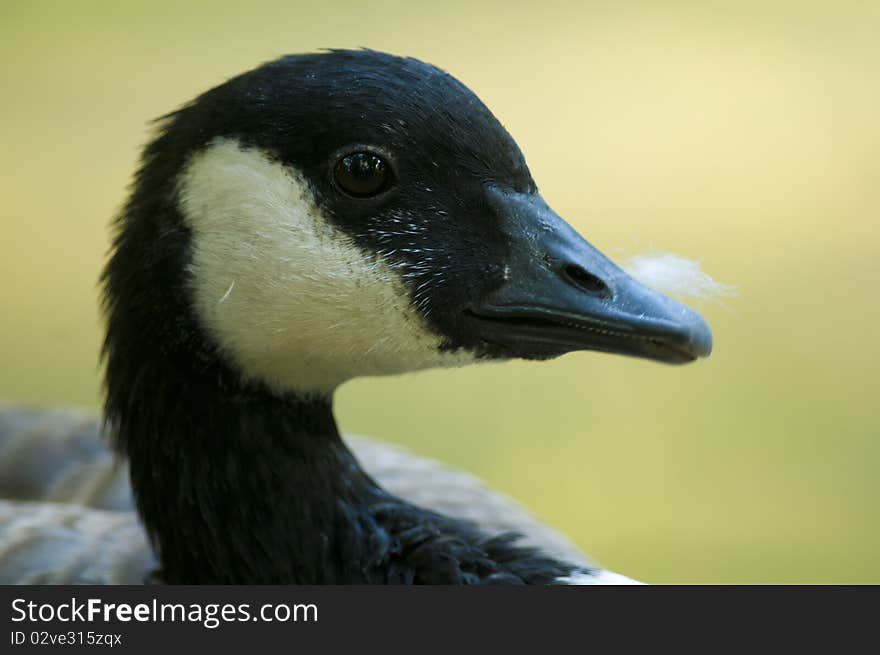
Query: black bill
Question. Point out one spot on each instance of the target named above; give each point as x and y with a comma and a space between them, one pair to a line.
560, 294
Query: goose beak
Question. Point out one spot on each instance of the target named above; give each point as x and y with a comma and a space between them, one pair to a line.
560, 294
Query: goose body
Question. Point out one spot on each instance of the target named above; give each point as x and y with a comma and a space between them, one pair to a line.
318, 218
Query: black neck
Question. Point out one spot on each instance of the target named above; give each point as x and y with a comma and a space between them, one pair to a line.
244, 487
249, 488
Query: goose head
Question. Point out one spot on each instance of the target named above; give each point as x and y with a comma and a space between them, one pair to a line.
353, 213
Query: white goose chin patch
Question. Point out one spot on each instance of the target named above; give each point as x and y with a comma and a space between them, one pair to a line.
290, 299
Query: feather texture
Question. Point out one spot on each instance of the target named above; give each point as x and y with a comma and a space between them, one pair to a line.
67, 514
676, 276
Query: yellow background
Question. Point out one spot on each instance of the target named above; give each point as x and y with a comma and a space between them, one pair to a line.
742, 134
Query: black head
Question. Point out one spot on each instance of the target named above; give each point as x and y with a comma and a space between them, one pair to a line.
354, 213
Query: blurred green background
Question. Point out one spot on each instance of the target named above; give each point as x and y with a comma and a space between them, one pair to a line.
742, 134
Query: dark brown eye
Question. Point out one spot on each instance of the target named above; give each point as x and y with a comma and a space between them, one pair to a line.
362, 174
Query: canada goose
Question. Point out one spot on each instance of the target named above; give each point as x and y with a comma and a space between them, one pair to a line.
322, 217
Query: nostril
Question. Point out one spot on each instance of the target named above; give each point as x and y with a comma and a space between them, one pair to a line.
586, 281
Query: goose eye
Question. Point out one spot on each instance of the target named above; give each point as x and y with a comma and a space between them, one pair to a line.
362, 174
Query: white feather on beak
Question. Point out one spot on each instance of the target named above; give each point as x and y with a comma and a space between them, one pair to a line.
675, 276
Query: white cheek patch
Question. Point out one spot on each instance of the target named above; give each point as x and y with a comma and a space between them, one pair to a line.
290, 299
675, 276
